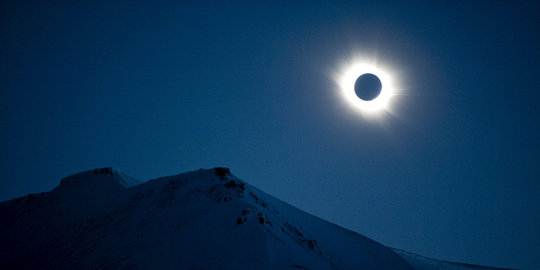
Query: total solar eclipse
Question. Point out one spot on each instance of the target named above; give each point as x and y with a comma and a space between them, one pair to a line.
367, 87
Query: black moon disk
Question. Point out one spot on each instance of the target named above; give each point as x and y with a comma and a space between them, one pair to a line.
367, 87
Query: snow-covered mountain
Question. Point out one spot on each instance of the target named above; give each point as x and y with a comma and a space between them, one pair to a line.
205, 219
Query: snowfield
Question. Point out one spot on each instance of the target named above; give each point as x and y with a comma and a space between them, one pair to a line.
205, 219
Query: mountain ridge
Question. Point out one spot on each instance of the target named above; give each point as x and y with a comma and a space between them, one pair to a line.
204, 219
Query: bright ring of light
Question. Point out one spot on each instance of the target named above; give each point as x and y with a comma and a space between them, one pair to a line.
348, 79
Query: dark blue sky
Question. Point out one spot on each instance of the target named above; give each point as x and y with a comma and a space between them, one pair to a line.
158, 89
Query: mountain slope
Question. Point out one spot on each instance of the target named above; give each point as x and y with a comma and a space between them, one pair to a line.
423, 263
206, 219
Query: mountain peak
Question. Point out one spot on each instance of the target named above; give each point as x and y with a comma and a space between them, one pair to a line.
107, 171
222, 171
96, 181
204, 219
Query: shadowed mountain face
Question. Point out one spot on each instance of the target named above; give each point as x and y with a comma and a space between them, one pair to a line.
206, 219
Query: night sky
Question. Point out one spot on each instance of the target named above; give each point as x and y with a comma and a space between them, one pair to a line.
452, 172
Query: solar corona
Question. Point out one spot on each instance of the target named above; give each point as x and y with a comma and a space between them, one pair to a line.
366, 87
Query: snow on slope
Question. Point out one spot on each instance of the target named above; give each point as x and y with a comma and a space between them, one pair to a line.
423, 263
206, 219
94, 182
